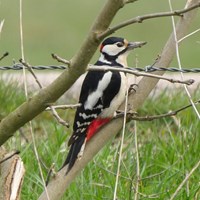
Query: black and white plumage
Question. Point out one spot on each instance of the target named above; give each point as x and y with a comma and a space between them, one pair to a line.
101, 95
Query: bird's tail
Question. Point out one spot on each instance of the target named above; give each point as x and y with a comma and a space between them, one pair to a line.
75, 152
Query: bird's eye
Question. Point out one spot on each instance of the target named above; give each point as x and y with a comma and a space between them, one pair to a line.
120, 44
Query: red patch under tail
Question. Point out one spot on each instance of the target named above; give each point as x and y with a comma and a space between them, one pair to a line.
95, 125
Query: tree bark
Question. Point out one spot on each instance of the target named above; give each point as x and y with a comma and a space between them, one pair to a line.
59, 184
11, 176
36, 104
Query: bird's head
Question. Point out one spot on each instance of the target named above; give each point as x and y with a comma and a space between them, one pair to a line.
114, 51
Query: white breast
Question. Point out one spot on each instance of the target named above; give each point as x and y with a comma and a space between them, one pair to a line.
117, 100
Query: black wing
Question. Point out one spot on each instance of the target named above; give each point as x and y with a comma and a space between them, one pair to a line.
90, 84
84, 117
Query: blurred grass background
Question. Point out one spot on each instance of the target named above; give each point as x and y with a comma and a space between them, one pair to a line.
61, 26
168, 148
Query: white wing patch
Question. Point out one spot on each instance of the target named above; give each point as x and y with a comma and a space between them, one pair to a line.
83, 124
94, 96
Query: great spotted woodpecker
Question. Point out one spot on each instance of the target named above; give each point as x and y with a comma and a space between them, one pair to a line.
101, 95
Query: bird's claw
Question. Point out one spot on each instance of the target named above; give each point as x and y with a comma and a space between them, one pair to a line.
132, 88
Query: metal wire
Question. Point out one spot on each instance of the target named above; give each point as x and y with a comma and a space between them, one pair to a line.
171, 69
149, 68
19, 66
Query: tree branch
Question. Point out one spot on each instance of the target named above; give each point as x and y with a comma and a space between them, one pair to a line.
131, 71
58, 185
59, 59
129, 1
53, 111
140, 19
46, 96
4, 55
185, 180
64, 107
169, 114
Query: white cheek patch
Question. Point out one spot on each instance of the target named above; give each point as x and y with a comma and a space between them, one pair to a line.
112, 50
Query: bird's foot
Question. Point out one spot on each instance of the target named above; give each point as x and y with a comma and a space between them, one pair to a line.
132, 88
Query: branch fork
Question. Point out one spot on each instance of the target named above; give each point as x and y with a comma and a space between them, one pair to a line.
54, 113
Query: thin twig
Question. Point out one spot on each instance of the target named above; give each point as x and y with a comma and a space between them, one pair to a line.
121, 146
55, 114
154, 175
31, 71
38, 159
4, 55
140, 19
59, 119
113, 173
28, 142
192, 103
136, 196
101, 185
23, 136
129, 1
22, 50
26, 94
1, 25
134, 116
179, 62
159, 173
59, 59
154, 63
64, 107
150, 196
187, 186
128, 70
185, 180
190, 34
49, 174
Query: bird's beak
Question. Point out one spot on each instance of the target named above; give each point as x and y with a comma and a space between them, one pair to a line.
133, 45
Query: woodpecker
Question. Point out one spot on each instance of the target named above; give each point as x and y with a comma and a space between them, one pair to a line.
101, 95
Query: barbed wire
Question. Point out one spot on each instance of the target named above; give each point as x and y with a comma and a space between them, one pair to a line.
149, 68
19, 66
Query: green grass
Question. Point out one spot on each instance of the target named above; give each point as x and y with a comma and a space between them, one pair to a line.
167, 152
10, 97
